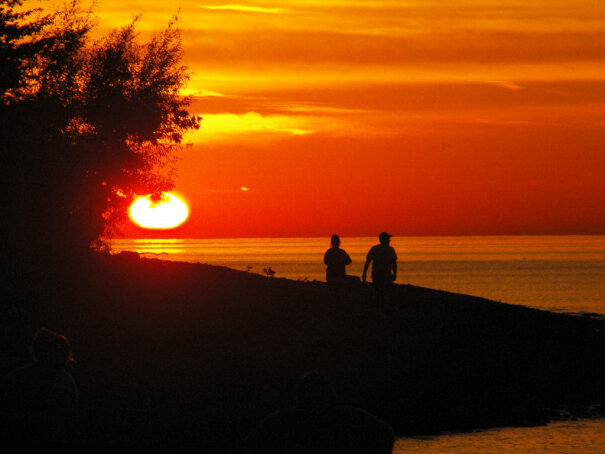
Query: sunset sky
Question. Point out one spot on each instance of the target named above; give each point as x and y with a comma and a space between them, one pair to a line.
417, 117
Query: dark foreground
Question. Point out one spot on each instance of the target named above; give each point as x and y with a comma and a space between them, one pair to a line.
192, 357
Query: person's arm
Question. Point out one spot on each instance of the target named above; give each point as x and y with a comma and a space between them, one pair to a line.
348, 260
365, 267
73, 417
394, 270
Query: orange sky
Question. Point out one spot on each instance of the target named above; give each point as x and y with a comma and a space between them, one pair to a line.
416, 117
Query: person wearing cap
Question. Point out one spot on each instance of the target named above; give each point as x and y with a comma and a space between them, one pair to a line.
336, 260
384, 264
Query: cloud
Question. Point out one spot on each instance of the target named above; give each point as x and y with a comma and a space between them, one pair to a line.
243, 9
224, 125
334, 48
341, 101
306, 108
202, 93
507, 85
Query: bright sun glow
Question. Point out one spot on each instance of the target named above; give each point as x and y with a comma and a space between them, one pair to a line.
168, 213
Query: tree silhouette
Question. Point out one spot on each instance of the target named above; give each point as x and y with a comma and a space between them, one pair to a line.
84, 125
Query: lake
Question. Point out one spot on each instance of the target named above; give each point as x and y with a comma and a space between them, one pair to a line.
557, 273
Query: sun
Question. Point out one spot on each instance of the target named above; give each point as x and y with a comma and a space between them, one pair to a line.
168, 213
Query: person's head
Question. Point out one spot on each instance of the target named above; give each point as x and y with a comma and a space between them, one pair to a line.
315, 391
335, 240
384, 238
51, 349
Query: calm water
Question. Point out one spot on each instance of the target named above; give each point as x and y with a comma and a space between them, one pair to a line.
558, 273
574, 437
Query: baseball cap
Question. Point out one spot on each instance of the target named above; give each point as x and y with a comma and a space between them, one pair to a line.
384, 235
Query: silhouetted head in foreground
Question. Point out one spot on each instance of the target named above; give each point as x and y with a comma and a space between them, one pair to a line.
335, 240
39, 402
315, 392
51, 349
319, 425
384, 238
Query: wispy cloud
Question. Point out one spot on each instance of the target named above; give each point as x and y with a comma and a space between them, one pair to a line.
321, 109
507, 85
224, 125
203, 93
243, 9
332, 48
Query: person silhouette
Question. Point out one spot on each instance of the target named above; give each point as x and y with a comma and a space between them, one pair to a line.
336, 260
39, 402
384, 265
318, 424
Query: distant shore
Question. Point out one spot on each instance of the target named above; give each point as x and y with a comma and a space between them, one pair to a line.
186, 356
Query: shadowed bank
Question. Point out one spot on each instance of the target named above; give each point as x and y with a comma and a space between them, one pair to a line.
193, 357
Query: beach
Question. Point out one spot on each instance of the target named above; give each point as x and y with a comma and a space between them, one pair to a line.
188, 356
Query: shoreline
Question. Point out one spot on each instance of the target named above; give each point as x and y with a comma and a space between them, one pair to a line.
186, 356
556, 275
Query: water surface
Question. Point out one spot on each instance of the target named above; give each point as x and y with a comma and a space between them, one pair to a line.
558, 273
573, 437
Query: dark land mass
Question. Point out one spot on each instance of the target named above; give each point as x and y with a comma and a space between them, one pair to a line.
191, 357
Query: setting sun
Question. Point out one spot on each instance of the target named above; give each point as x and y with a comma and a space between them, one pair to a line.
168, 213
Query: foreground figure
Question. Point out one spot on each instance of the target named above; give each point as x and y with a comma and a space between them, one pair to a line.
39, 402
318, 425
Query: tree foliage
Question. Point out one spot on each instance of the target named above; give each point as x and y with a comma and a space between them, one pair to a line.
85, 125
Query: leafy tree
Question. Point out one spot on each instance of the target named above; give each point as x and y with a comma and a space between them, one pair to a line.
84, 125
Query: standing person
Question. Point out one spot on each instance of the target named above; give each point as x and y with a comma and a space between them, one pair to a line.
336, 260
384, 265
